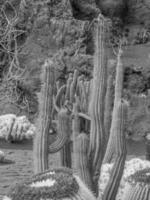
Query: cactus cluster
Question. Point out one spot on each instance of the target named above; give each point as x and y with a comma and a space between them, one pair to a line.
78, 110
81, 116
138, 187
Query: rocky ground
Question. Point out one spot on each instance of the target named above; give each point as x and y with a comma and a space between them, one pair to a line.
22, 162
20, 166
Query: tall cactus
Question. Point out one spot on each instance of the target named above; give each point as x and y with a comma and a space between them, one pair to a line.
109, 98
97, 135
120, 151
117, 96
40, 149
66, 159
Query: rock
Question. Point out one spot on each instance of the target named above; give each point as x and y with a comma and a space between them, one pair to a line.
2, 156
13, 128
6, 123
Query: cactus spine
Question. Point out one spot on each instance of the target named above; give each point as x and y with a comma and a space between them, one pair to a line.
120, 150
97, 135
118, 94
44, 123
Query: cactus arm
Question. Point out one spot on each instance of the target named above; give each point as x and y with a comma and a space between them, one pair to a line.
80, 78
83, 96
85, 116
63, 131
73, 86
75, 129
75, 122
97, 135
120, 150
55, 108
58, 98
69, 81
40, 146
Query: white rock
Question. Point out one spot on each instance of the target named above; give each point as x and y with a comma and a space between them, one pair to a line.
6, 198
2, 156
6, 122
18, 128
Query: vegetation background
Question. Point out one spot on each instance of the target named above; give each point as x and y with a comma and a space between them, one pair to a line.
34, 30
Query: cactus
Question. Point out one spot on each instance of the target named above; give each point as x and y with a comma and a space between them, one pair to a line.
63, 131
75, 126
80, 148
109, 98
138, 187
64, 128
120, 152
58, 98
66, 159
119, 78
118, 94
57, 183
81, 159
73, 86
69, 81
97, 135
40, 149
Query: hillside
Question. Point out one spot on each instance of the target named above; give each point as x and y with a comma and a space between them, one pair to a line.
34, 30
